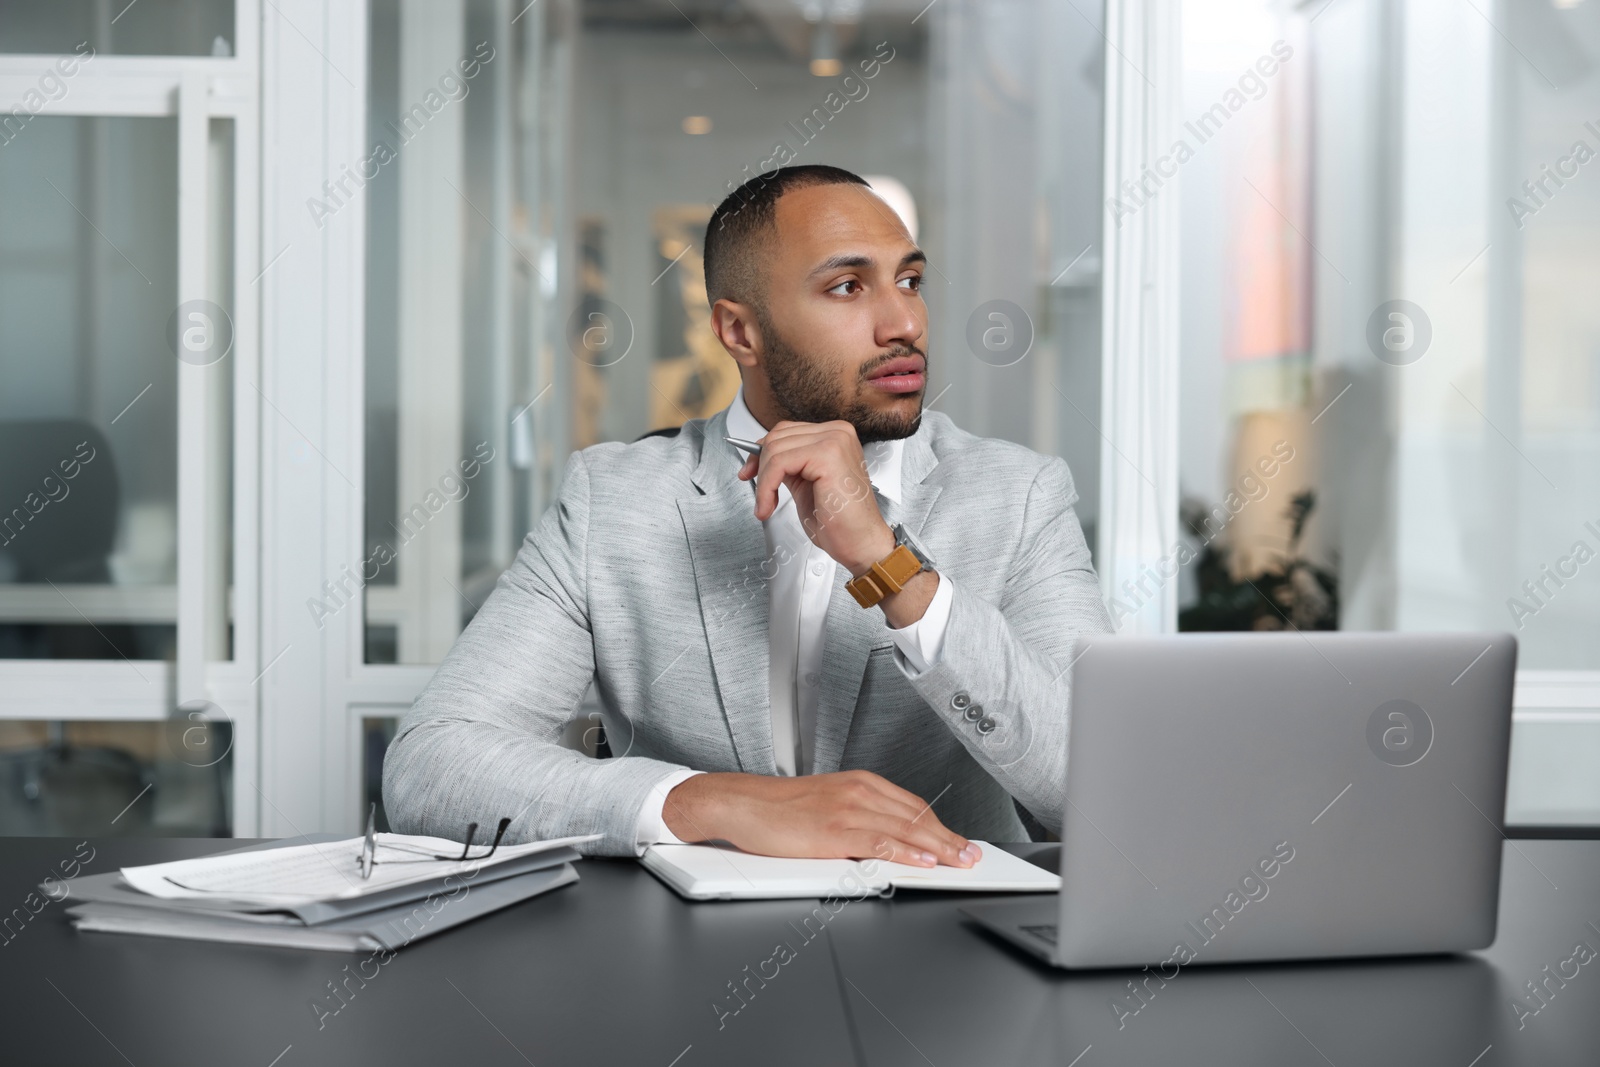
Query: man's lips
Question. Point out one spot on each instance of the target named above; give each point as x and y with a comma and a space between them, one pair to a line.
903, 374
904, 365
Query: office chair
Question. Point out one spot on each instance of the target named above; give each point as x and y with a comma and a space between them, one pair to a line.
69, 540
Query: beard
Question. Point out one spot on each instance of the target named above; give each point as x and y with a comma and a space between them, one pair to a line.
806, 391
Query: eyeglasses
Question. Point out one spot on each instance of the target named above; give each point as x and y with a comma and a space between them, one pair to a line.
369, 848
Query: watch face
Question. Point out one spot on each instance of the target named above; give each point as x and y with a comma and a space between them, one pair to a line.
906, 537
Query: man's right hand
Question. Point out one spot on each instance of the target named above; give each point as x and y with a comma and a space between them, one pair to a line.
845, 815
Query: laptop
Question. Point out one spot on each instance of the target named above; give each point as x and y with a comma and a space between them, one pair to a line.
1235, 797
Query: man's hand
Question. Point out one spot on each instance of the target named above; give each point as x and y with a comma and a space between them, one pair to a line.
846, 815
822, 464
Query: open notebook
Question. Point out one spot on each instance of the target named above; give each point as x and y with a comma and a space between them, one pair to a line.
720, 872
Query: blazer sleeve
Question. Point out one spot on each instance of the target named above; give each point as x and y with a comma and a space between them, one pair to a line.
483, 740
1011, 659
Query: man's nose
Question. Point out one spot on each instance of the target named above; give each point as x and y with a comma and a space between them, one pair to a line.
898, 322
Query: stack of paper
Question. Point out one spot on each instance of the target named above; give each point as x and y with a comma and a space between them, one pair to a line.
309, 893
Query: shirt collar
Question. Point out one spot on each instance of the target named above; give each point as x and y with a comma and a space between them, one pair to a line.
883, 457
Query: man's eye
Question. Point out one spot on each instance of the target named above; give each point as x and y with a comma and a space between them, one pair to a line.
913, 282
843, 285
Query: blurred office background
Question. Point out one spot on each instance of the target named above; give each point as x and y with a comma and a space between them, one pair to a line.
314, 299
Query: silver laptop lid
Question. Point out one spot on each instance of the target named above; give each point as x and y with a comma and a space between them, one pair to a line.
1273, 796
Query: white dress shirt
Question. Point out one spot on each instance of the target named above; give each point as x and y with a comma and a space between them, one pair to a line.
798, 596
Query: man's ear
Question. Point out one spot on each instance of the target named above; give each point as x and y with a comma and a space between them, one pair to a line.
735, 326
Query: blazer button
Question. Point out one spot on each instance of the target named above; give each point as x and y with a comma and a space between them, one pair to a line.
960, 701
974, 712
986, 725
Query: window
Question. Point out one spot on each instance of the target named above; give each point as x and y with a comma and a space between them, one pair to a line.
1389, 406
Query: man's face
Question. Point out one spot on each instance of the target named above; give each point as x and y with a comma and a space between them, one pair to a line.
844, 327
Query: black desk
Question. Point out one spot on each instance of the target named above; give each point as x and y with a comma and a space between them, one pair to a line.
618, 970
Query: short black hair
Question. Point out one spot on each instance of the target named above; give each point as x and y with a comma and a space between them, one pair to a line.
740, 222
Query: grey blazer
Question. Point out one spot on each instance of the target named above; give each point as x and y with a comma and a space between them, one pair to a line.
647, 577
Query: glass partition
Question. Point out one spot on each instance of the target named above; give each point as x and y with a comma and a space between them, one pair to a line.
1390, 396
88, 414
1391, 402
462, 406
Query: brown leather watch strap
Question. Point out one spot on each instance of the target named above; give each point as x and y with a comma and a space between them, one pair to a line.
888, 575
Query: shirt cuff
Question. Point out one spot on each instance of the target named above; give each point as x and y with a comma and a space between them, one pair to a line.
917, 647
651, 829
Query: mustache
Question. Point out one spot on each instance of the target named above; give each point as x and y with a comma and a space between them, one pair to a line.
898, 352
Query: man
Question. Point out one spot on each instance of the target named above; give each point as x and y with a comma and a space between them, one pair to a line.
716, 601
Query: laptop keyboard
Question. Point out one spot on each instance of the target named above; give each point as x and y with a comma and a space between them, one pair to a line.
1044, 932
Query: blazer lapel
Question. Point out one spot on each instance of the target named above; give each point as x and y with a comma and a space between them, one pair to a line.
728, 548
851, 631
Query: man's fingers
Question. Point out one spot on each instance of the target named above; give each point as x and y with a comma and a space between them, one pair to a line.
914, 811
890, 850
921, 811
777, 464
923, 826
944, 846
769, 475
787, 450
776, 444
789, 431
871, 803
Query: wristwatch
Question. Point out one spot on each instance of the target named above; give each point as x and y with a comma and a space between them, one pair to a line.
892, 572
